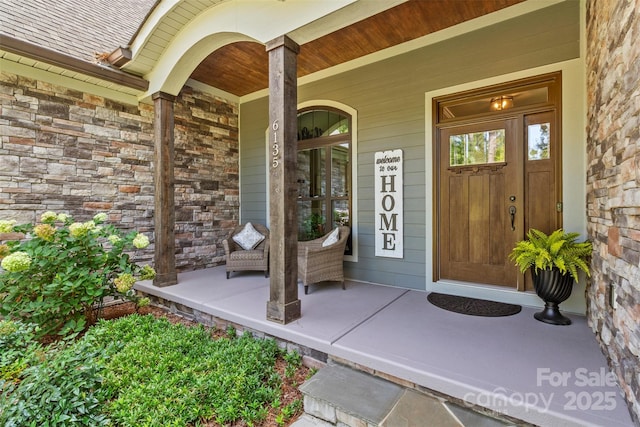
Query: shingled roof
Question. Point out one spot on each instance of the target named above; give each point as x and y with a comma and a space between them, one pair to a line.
78, 28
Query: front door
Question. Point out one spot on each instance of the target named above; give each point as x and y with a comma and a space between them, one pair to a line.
498, 174
481, 200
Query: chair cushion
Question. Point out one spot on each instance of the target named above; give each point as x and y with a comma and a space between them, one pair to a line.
248, 238
246, 255
333, 238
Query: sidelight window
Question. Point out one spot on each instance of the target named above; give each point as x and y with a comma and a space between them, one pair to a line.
538, 141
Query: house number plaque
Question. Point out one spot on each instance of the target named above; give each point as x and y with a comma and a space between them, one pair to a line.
275, 153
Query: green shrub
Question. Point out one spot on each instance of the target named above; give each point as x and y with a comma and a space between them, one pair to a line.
289, 411
294, 361
231, 332
56, 275
168, 374
19, 350
59, 390
140, 371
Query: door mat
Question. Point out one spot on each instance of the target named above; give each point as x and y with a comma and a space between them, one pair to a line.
472, 306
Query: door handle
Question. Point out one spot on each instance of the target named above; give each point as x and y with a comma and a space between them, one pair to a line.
512, 213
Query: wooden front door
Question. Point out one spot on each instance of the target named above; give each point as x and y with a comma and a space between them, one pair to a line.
497, 180
480, 202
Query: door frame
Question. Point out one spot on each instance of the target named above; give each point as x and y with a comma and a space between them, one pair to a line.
553, 83
573, 177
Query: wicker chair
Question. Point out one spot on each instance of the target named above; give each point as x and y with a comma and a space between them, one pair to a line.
239, 259
318, 264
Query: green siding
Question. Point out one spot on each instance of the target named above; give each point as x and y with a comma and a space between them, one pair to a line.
389, 98
253, 185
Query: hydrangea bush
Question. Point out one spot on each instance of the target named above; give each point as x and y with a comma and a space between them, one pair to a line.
62, 270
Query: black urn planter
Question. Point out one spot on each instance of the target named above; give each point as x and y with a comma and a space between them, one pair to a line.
553, 287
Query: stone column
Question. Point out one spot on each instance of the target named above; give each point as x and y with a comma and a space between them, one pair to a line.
164, 203
283, 305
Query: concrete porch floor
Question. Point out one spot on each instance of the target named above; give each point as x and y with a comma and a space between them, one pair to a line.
517, 366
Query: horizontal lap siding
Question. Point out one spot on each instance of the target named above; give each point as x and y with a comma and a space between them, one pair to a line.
253, 186
389, 99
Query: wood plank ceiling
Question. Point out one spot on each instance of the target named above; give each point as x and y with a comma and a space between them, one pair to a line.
242, 68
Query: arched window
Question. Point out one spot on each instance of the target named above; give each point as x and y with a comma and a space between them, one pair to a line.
324, 172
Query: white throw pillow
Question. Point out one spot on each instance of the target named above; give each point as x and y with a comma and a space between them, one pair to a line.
332, 238
248, 238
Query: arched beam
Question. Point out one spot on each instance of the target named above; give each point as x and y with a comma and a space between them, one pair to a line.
173, 70
167, 67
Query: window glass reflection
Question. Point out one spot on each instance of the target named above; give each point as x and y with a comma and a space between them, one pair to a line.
339, 170
477, 148
538, 141
311, 174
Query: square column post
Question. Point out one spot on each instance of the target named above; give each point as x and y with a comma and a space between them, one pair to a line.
163, 179
283, 305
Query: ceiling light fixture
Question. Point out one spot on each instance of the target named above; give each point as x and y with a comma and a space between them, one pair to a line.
501, 103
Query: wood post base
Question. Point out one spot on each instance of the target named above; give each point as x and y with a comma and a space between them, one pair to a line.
163, 280
283, 313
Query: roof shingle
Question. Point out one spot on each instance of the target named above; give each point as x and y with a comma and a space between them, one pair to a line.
78, 28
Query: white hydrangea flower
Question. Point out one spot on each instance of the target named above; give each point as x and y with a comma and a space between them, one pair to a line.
49, 217
141, 241
6, 226
15, 262
100, 218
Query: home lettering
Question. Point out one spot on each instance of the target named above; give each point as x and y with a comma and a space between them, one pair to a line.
388, 223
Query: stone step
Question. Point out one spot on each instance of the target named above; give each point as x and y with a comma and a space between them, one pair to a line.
341, 396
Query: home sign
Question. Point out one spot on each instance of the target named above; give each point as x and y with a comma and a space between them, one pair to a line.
388, 204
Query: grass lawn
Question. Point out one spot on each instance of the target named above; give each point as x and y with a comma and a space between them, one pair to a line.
145, 370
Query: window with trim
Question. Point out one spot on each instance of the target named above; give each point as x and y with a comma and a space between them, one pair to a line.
324, 172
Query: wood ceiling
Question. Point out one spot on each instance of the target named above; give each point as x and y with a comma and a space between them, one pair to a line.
242, 68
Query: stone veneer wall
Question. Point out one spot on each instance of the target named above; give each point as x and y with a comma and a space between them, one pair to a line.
613, 186
73, 152
207, 177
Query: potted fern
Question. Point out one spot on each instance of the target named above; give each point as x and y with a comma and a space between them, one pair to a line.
554, 261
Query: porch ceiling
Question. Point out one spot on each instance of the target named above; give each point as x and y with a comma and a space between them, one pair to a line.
241, 68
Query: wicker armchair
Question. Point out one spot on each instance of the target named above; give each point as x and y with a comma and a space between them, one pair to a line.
239, 259
318, 264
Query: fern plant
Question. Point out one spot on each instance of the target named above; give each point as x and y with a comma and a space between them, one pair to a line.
558, 250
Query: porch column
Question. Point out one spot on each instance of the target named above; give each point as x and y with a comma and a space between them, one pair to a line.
283, 305
164, 203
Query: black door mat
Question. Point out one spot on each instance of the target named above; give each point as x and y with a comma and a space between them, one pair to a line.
472, 306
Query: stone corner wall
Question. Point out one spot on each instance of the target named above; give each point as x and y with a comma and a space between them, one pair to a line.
207, 179
68, 151
613, 187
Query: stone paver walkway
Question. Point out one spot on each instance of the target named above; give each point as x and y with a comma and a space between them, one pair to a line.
338, 395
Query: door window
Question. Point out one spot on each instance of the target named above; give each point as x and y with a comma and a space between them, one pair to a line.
476, 148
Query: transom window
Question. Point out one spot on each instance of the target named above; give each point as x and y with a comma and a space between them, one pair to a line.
324, 172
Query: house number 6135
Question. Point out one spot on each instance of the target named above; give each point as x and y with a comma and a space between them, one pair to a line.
275, 162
